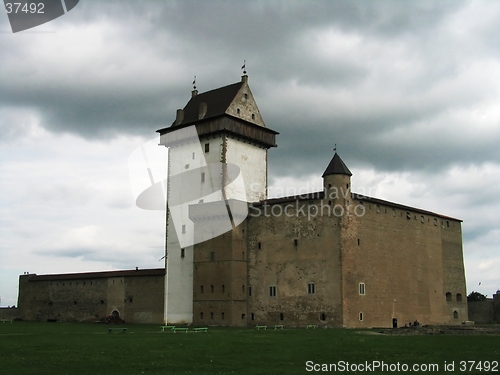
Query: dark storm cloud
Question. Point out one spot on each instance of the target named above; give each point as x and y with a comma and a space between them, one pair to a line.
356, 73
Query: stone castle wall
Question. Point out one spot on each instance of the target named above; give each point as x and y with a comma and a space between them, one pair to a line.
137, 296
408, 261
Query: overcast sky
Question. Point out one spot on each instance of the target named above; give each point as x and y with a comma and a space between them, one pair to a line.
409, 92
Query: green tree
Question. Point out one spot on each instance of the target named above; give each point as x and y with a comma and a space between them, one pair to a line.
475, 297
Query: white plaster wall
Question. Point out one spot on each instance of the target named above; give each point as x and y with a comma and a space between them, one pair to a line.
179, 271
252, 161
251, 183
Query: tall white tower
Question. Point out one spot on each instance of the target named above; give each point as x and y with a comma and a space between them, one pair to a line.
216, 131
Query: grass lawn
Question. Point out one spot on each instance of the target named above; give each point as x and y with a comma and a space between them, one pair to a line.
70, 348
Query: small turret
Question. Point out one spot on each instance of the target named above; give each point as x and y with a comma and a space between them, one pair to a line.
337, 182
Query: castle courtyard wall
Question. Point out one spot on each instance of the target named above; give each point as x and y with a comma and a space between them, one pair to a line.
137, 296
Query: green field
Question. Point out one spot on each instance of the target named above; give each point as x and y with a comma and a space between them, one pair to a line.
70, 348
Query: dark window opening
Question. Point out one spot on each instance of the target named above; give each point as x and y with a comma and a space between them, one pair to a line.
361, 316
207, 147
222, 316
243, 316
362, 289
311, 288
281, 316
250, 291
253, 316
253, 116
212, 256
238, 111
358, 241
201, 288
212, 288
295, 242
459, 297
183, 253
211, 315
259, 245
201, 316
322, 316
223, 288
455, 314
272, 291
448, 297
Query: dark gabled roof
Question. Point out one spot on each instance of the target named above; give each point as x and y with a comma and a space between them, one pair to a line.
98, 275
217, 101
337, 166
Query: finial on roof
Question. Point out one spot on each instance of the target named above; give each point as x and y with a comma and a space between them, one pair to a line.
194, 83
335, 148
244, 67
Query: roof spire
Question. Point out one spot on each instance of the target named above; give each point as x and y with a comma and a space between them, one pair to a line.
335, 148
194, 92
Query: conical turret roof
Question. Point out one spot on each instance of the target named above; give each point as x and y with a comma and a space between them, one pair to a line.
336, 166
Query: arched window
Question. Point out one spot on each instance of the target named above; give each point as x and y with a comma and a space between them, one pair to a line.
459, 297
448, 297
455, 314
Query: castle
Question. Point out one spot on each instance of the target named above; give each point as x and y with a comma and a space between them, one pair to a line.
234, 257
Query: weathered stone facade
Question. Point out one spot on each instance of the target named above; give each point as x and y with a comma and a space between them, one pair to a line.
487, 311
377, 262
136, 296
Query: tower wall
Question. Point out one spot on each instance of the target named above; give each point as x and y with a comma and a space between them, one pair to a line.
294, 247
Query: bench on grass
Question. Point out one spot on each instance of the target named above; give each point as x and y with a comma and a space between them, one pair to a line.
7, 320
278, 326
122, 330
313, 326
164, 328
261, 327
200, 329
179, 329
